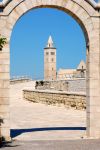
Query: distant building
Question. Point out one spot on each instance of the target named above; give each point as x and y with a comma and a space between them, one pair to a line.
79, 72
62, 74
50, 60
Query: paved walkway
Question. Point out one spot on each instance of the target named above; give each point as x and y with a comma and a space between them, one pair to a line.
42, 127
54, 145
34, 121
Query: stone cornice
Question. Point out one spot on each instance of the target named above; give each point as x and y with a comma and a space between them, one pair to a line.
92, 2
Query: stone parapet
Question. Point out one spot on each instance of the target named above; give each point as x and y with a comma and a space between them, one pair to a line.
75, 85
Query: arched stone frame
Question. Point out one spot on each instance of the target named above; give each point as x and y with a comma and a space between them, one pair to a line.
88, 18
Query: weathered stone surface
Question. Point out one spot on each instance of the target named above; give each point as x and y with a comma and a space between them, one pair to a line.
77, 101
88, 18
75, 85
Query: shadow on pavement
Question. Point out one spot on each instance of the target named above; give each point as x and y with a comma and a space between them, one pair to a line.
16, 132
3, 145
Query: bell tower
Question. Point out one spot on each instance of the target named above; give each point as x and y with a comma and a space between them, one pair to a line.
50, 60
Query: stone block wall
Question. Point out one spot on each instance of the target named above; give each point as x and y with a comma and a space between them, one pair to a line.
70, 100
78, 85
75, 85
55, 85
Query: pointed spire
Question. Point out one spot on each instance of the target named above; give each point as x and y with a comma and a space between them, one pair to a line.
50, 42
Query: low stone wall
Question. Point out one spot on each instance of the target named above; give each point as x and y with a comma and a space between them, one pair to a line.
70, 100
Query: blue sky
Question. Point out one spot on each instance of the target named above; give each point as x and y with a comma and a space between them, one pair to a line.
30, 35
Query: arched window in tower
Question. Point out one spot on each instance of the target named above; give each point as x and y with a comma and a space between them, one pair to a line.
47, 53
52, 53
52, 60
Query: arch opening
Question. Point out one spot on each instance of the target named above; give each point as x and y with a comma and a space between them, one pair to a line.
45, 43
69, 43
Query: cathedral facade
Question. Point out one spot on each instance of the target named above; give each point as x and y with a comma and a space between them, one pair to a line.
78, 73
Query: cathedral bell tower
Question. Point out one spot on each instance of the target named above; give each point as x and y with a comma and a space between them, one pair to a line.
50, 60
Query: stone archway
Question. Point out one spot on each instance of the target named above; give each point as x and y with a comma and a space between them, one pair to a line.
88, 18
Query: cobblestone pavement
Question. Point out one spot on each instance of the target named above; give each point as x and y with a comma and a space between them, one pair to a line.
34, 121
54, 145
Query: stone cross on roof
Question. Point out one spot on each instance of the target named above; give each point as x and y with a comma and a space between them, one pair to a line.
82, 65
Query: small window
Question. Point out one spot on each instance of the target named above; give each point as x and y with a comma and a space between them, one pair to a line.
47, 53
52, 60
52, 53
